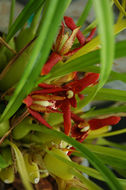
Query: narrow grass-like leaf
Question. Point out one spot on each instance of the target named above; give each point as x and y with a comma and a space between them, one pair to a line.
88, 183
94, 43
11, 12
102, 141
118, 132
84, 14
113, 75
104, 94
90, 59
30, 8
21, 167
90, 27
49, 26
105, 111
108, 94
108, 151
117, 3
104, 16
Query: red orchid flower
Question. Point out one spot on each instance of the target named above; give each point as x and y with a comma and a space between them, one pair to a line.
39, 103
63, 97
63, 44
81, 128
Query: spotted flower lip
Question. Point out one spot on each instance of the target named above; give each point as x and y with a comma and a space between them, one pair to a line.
82, 127
64, 43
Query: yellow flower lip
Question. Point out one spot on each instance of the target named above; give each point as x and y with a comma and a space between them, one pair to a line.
85, 129
44, 103
70, 94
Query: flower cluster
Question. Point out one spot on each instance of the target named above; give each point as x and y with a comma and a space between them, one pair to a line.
53, 98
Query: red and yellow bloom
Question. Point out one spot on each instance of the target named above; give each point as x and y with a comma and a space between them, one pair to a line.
64, 42
81, 128
52, 98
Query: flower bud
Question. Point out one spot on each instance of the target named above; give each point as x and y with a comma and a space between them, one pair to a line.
7, 175
58, 167
33, 170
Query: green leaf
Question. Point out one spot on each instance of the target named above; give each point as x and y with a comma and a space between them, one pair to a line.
84, 14
104, 16
88, 183
11, 12
102, 141
31, 7
49, 26
109, 134
105, 111
113, 75
117, 3
107, 94
21, 167
121, 13
84, 61
90, 27
110, 156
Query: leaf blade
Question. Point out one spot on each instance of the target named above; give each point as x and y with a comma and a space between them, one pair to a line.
43, 44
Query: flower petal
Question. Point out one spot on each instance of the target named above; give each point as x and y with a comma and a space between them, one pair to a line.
83, 137
76, 118
88, 39
53, 59
69, 42
79, 85
46, 97
75, 131
81, 96
38, 108
73, 102
70, 24
39, 118
59, 38
46, 91
70, 53
28, 101
98, 123
65, 107
44, 85
77, 134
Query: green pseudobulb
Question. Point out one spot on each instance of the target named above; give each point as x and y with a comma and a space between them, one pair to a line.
58, 167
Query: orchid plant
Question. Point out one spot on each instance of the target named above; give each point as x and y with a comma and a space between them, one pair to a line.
49, 72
